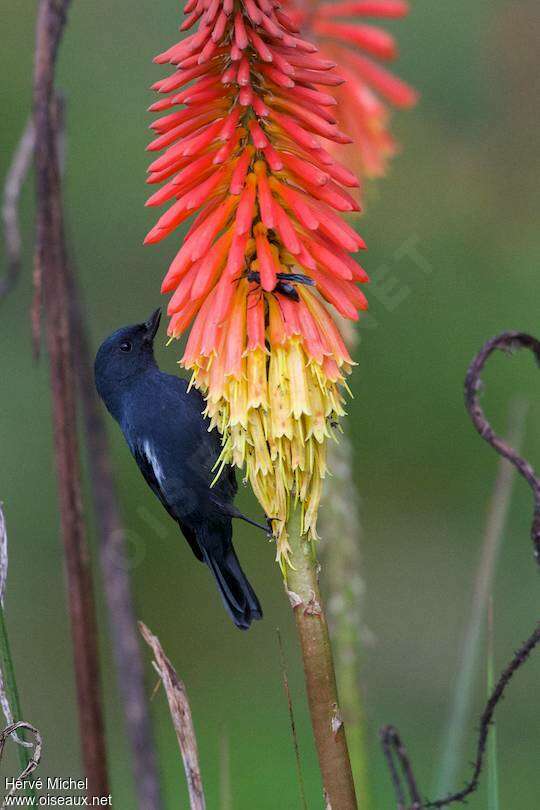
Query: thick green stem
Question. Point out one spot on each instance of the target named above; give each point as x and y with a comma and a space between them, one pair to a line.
328, 729
12, 693
343, 588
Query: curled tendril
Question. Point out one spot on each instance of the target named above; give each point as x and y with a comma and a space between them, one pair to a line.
398, 760
506, 342
35, 758
396, 754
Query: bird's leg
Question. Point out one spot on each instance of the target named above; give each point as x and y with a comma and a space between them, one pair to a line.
238, 514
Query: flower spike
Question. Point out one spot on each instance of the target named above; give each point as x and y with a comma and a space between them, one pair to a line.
247, 135
346, 34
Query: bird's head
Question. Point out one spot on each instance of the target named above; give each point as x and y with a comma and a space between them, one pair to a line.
123, 355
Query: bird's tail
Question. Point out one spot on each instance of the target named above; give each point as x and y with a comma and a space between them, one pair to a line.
237, 594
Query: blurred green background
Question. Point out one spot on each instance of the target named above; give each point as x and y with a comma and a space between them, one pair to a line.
464, 194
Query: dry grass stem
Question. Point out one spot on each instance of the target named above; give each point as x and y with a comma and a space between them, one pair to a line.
181, 717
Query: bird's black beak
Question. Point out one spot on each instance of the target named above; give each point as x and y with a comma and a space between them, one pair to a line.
152, 325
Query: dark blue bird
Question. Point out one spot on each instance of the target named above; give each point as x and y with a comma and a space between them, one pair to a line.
167, 434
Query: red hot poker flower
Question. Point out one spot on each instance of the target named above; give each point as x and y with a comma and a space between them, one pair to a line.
247, 123
358, 48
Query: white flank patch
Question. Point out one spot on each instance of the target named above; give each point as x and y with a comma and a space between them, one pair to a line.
153, 459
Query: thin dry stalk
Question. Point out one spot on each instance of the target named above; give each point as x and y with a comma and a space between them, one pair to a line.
17, 173
115, 569
52, 265
292, 721
181, 717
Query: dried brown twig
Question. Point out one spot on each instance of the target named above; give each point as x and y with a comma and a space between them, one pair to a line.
181, 717
114, 563
391, 740
51, 266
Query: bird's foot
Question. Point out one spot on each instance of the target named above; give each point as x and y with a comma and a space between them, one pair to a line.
270, 527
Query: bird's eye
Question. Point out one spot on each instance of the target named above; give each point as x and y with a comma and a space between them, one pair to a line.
125, 346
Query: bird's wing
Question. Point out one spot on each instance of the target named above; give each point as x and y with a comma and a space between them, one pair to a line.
175, 450
206, 446
150, 467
